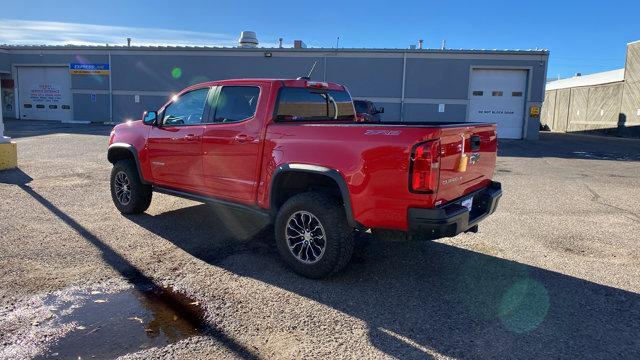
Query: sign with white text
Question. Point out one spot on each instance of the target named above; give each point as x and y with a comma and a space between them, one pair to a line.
89, 69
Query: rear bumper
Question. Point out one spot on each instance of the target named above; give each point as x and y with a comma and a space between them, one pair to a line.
453, 218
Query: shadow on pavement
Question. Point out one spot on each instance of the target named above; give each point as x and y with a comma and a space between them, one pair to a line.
418, 299
26, 128
119, 263
569, 146
425, 298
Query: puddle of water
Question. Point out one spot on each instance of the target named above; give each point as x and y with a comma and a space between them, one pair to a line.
110, 325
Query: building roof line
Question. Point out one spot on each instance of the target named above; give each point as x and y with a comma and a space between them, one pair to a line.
263, 49
601, 78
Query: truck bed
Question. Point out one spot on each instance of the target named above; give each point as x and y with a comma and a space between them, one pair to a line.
439, 124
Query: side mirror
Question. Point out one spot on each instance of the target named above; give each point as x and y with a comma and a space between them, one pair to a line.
150, 117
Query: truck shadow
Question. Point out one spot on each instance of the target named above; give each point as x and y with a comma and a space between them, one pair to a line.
134, 275
425, 299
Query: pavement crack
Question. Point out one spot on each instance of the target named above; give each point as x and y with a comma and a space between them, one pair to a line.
598, 199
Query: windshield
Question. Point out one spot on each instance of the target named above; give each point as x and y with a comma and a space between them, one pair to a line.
361, 106
302, 104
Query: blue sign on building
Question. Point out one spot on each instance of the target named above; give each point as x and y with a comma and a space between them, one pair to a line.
89, 69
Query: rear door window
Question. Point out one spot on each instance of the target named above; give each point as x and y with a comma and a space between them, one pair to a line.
302, 104
236, 103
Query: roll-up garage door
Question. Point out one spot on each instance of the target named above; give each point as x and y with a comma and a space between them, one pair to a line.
44, 93
498, 96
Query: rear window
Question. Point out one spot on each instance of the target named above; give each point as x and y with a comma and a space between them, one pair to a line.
302, 104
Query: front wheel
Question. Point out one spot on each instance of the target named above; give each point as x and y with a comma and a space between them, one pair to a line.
313, 235
128, 193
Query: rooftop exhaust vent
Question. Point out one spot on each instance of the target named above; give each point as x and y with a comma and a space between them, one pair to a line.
248, 39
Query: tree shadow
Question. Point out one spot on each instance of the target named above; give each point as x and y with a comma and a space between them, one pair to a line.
422, 299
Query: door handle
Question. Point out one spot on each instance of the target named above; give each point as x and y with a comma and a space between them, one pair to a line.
190, 137
243, 138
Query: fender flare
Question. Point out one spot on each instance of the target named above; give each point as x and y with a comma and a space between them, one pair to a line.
319, 170
134, 152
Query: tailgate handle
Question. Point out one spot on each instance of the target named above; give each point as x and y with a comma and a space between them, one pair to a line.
475, 143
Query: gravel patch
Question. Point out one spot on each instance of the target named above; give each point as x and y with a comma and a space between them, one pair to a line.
554, 273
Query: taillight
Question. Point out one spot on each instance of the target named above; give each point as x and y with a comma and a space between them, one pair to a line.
425, 167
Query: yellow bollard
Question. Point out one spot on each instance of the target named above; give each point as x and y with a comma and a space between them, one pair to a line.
462, 163
464, 159
8, 155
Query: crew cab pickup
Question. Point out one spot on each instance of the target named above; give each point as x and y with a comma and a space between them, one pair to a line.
292, 152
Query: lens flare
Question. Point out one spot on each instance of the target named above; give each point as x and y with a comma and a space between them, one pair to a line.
176, 72
524, 306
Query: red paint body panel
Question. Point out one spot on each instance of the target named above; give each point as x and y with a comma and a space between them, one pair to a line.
373, 159
232, 153
175, 156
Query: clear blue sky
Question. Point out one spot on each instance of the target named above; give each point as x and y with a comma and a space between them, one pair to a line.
586, 36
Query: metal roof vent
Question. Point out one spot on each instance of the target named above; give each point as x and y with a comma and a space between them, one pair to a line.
248, 39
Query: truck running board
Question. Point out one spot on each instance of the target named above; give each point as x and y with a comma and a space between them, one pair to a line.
267, 216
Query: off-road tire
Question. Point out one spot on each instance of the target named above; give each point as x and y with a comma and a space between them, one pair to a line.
141, 194
338, 234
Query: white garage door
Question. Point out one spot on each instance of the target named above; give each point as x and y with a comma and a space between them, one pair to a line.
498, 96
44, 93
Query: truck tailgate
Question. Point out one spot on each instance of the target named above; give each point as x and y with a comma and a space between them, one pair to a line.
478, 143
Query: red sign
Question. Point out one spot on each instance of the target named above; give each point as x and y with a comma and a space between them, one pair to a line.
7, 83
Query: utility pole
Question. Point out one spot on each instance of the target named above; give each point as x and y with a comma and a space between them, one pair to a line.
3, 139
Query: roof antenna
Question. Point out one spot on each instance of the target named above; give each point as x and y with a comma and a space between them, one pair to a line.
308, 77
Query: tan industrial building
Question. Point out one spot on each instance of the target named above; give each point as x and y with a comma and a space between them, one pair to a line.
606, 103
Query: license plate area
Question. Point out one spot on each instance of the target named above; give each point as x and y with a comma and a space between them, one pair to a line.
467, 203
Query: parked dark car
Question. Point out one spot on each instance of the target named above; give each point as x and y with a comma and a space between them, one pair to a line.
366, 111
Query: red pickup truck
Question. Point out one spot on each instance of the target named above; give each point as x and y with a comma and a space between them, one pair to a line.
291, 151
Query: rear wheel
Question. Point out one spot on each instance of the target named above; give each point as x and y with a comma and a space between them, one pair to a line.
128, 193
313, 235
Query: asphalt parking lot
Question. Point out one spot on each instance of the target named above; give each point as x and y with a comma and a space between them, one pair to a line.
554, 273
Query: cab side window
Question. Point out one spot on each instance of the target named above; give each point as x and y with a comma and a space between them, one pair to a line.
187, 109
236, 103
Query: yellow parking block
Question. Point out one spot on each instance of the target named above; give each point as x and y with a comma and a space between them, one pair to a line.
8, 156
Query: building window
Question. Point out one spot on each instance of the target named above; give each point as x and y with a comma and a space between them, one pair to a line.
53, 106
39, 106
516, 94
28, 106
478, 93
497, 93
